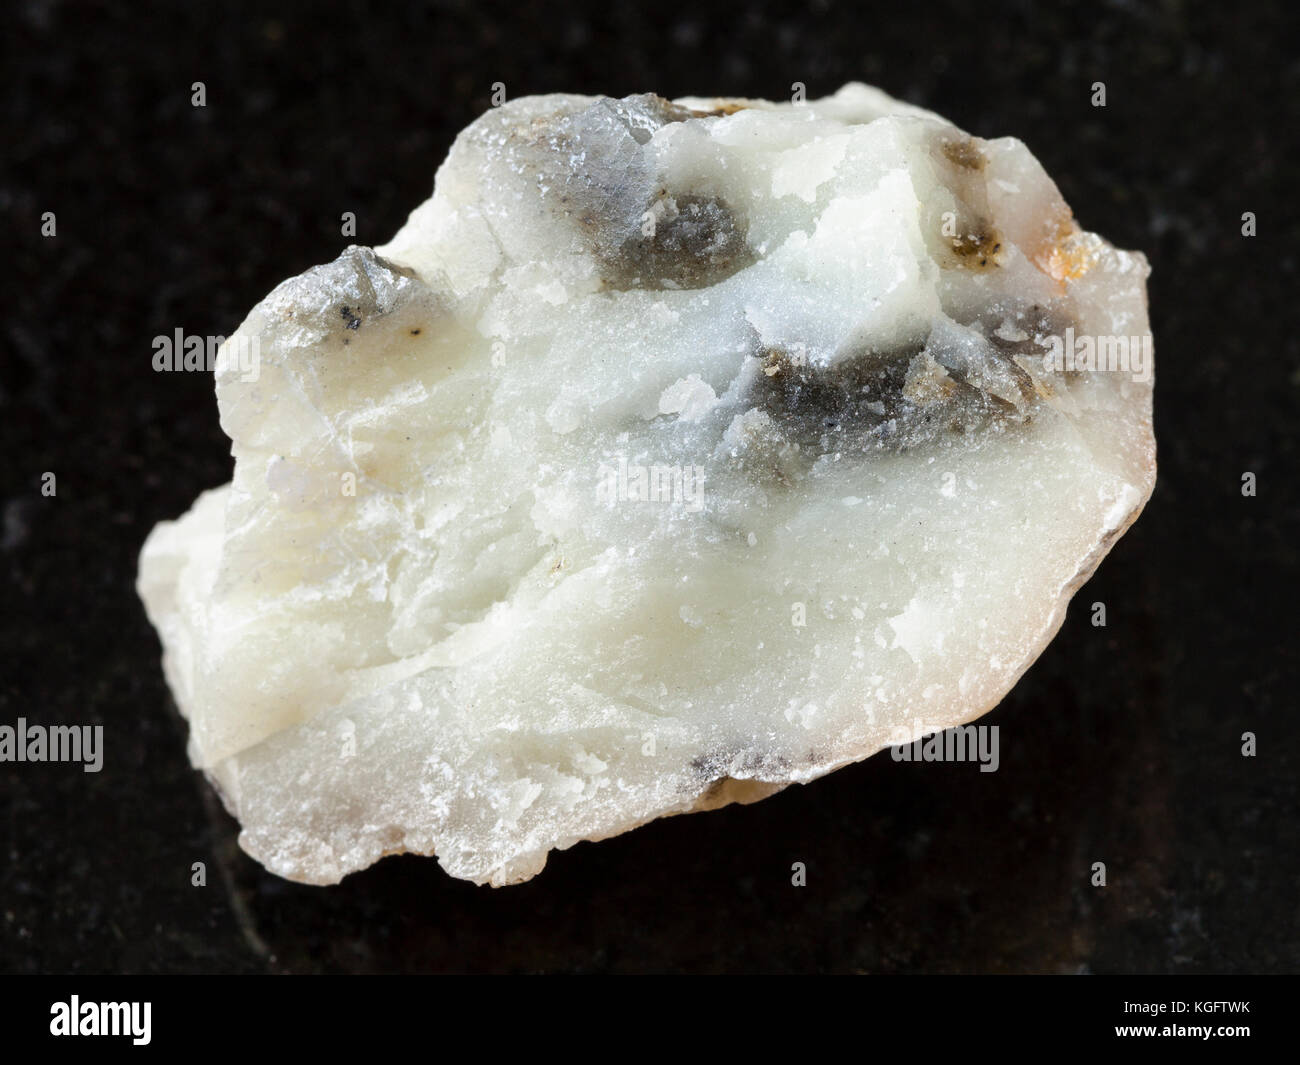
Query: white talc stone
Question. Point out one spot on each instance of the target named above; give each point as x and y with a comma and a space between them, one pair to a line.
670, 454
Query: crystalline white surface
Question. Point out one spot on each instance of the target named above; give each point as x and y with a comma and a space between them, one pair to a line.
445, 606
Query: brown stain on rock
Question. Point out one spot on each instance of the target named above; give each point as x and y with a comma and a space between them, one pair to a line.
964, 153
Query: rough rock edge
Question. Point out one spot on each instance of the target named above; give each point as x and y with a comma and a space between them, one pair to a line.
741, 789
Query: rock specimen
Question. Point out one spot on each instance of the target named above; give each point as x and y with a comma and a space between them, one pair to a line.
670, 454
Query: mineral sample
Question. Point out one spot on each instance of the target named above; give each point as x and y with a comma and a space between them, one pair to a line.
672, 453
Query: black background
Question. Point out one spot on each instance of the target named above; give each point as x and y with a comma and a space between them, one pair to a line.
1121, 745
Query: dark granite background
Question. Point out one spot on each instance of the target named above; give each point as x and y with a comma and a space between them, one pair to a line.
1122, 744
